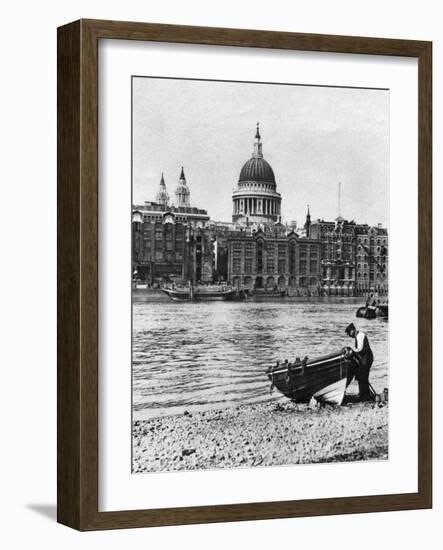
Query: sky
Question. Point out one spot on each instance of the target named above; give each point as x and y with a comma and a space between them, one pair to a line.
313, 137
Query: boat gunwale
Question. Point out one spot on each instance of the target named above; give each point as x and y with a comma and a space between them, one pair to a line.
180, 292
309, 363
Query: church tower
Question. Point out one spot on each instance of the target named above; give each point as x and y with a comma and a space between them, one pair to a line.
182, 192
162, 196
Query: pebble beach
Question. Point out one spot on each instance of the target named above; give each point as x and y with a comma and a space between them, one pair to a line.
263, 434
199, 407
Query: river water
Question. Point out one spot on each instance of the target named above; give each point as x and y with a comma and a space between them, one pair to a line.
199, 356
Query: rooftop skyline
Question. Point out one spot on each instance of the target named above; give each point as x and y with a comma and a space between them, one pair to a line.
313, 137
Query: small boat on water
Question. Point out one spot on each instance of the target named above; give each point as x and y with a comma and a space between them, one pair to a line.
323, 378
200, 293
371, 312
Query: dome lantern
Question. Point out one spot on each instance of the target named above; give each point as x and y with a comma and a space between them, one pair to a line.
257, 153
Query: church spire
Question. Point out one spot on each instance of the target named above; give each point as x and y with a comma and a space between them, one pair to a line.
162, 194
308, 223
257, 144
182, 192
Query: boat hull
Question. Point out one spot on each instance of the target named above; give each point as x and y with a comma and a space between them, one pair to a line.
372, 312
366, 312
323, 378
185, 295
334, 393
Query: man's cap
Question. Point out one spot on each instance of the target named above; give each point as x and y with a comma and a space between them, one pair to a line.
349, 328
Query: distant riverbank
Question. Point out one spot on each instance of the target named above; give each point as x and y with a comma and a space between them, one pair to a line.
263, 434
140, 295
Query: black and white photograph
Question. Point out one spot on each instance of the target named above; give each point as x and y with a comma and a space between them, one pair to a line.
260, 274
220, 284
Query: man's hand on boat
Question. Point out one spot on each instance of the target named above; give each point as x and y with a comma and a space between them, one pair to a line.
347, 352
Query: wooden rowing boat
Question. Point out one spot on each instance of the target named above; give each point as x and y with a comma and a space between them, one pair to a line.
323, 378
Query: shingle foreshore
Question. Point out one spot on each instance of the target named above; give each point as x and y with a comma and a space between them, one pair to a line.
265, 434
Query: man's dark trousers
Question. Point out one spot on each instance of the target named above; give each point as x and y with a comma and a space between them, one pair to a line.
362, 375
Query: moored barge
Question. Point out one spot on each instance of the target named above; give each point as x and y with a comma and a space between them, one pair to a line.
200, 293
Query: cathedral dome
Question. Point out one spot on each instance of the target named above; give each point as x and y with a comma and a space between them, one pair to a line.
256, 199
257, 169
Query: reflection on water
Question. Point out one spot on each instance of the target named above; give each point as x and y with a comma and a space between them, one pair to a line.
196, 356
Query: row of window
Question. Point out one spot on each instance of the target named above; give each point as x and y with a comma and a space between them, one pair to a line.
365, 240
161, 256
281, 251
379, 249
371, 275
248, 265
366, 265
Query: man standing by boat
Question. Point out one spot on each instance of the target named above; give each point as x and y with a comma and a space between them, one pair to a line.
364, 358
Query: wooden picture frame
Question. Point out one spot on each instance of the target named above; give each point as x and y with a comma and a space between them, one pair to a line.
78, 274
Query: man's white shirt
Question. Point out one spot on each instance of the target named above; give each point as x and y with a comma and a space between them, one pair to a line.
360, 338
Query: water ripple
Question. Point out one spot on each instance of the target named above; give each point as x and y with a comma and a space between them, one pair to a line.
213, 355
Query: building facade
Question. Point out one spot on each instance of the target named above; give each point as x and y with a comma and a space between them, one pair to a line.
353, 257
271, 260
167, 249
159, 248
372, 270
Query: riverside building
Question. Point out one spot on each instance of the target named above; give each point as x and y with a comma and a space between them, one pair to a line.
354, 257
271, 259
256, 250
169, 241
